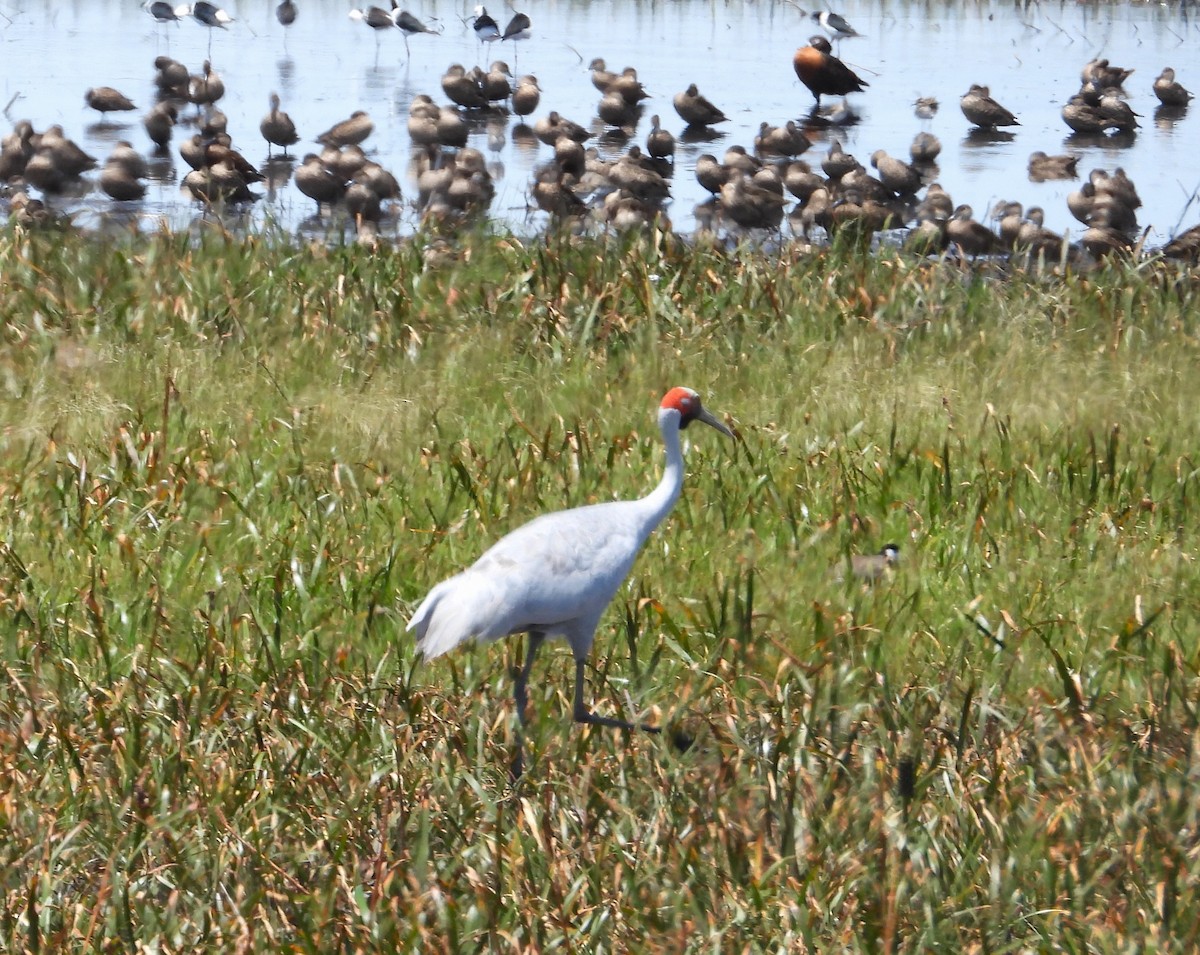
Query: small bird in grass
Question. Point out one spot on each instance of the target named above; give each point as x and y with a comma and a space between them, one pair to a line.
983, 111
869, 568
555, 576
834, 24
823, 73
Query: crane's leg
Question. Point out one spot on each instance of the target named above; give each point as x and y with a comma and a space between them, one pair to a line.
521, 696
520, 693
584, 715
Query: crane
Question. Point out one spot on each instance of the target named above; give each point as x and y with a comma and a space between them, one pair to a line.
554, 576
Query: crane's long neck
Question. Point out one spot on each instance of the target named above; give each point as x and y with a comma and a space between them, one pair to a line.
658, 503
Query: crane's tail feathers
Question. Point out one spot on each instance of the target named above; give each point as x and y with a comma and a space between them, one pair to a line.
444, 620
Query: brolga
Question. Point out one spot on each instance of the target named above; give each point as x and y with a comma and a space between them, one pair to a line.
554, 576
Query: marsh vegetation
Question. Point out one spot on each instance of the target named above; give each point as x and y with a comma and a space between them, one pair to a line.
231, 467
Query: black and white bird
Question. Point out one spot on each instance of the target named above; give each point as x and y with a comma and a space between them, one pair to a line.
486, 29
409, 25
834, 24
210, 15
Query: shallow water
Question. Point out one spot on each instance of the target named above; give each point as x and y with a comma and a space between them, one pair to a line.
739, 53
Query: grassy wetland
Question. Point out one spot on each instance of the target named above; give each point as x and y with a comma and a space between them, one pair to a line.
231, 468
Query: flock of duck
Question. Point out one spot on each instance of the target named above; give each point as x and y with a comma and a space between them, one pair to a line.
752, 188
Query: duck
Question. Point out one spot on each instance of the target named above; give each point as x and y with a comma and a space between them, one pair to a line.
1185, 246
526, 96
898, 176
602, 77
983, 111
925, 148
695, 110
1082, 117
120, 178
1099, 71
787, 140
497, 83
159, 124
1169, 91
970, 236
1043, 167
552, 126
317, 182
171, 77
105, 99
207, 88
1116, 113
277, 127
750, 205
628, 87
660, 144
837, 162
614, 110
823, 73
349, 132
463, 88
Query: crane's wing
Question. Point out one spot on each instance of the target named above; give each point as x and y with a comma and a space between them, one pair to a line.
555, 574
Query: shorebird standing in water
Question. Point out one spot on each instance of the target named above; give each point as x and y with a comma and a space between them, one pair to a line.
834, 24
486, 29
409, 26
520, 27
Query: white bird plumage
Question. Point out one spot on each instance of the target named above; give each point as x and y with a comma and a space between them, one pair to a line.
554, 576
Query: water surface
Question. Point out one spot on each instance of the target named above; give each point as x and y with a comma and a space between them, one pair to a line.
739, 53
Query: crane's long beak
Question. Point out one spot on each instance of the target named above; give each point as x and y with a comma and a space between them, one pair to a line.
711, 420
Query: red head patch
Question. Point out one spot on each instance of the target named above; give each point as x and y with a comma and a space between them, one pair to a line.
683, 400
